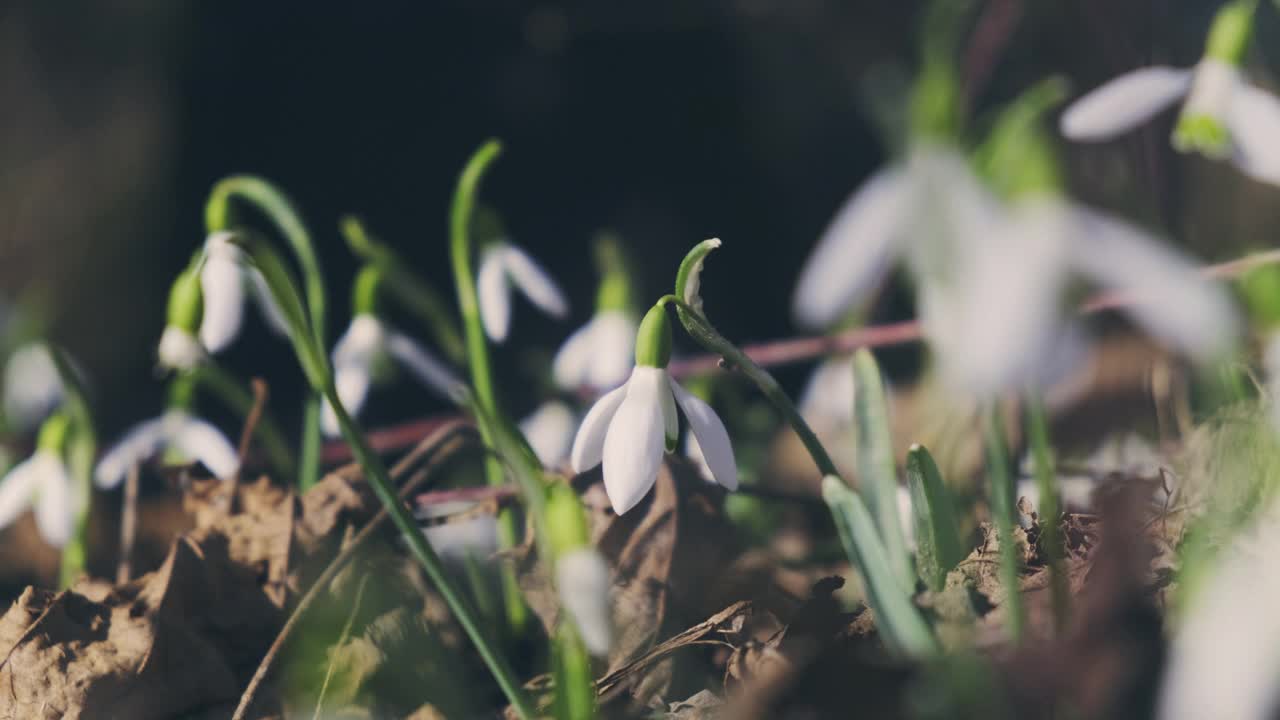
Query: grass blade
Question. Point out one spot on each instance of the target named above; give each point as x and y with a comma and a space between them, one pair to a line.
938, 544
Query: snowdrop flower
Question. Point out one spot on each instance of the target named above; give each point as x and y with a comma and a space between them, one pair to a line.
179, 347
549, 431
178, 430
503, 265
43, 483
225, 275
457, 539
582, 581
629, 427
828, 395
363, 356
1223, 116
32, 386
1224, 661
598, 355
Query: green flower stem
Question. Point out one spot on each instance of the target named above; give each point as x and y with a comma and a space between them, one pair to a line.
478, 358
81, 453
416, 295
1002, 513
575, 696
273, 203
315, 366
228, 389
1050, 511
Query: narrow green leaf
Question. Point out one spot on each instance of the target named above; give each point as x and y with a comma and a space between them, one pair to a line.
877, 471
689, 276
938, 545
901, 626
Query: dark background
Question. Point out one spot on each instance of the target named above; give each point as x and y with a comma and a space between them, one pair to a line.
667, 121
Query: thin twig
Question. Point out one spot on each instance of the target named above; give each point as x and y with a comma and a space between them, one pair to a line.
128, 524
433, 446
991, 35
260, 395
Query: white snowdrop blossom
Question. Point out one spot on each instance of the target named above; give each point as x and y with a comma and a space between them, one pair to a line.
457, 538
42, 483
549, 431
363, 355
1225, 658
192, 438
828, 394
1223, 115
628, 428
179, 349
32, 386
503, 265
582, 580
225, 276
599, 354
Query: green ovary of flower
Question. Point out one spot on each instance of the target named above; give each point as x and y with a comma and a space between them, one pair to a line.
653, 341
1202, 133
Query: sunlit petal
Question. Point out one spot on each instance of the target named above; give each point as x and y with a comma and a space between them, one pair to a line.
474, 536
17, 489
352, 382
615, 343
712, 436
1124, 103
854, 251
494, 294
588, 444
1254, 122
198, 440
633, 446
534, 282
573, 360
137, 446
582, 579
222, 284
432, 372
549, 431
271, 311
1167, 293
179, 349
693, 451
55, 503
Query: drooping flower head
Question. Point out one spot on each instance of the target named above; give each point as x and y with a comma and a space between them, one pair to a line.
1223, 115
225, 278
505, 267
43, 483
599, 354
367, 352
32, 386
628, 429
549, 431
180, 348
581, 572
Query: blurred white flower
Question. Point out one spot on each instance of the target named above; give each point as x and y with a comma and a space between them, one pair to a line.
629, 427
549, 431
503, 265
193, 438
179, 349
1224, 115
582, 579
362, 356
43, 483
1225, 658
456, 539
828, 395
32, 386
224, 278
599, 354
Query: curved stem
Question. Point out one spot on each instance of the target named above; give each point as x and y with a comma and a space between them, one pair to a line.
478, 354
276, 206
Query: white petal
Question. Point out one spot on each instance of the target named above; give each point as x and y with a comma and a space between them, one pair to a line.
271, 311
574, 358
588, 444
17, 490
615, 349
494, 294
32, 387
828, 395
352, 382
430, 371
534, 282
1124, 103
712, 436
1225, 658
633, 446
693, 451
582, 579
222, 282
952, 207
138, 445
854, 251
55, 500
179, 349
1171, 298
198, 440
549, 431
1213, 85
1254, 122
455, 541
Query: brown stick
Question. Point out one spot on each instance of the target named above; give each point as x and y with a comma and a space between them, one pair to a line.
128, 524
433, 446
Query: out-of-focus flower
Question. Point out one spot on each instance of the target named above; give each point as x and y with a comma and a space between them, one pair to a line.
177, 430
828, 395
503, 265
599, 354
362, 357
1224, 116
458, 537
629, 427
224, 277
179, 349
582, 582
32, 387
549, 431
43, 482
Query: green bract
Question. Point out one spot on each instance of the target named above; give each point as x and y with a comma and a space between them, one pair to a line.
1231, 31
186, 301
653, 341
